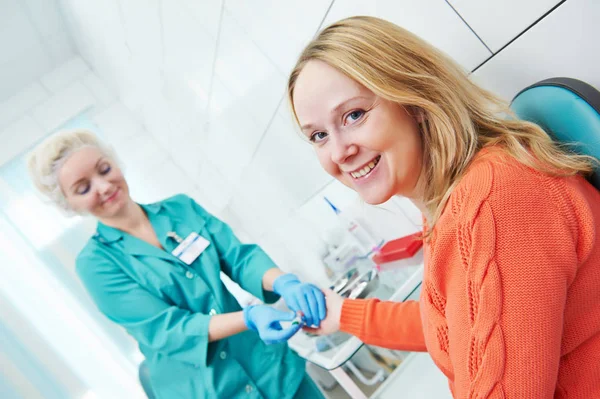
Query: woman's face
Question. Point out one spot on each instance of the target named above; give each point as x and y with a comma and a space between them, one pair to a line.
368, 143
93, 183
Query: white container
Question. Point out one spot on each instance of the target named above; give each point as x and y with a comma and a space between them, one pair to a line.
366, 239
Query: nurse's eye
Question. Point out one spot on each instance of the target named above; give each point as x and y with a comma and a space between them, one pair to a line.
354, 116
317, 137
83, 189
104, 169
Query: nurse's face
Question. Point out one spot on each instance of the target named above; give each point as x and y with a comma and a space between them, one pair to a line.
368, 143
93, 184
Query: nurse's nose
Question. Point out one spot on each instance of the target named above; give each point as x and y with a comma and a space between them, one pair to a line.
103, 186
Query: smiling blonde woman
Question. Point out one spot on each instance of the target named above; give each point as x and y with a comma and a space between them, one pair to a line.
510, 305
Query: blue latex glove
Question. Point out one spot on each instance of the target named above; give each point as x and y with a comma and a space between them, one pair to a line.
265, 320
302, 297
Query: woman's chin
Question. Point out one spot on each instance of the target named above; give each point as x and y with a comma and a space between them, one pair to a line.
372, 194
375, 197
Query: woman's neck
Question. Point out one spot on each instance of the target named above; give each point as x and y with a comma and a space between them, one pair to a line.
132, 218
417, 197
419, 203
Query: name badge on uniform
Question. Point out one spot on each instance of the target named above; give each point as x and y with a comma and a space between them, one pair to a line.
190, 249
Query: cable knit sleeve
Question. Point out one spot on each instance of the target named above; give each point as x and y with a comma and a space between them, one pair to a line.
518, 250
394, 325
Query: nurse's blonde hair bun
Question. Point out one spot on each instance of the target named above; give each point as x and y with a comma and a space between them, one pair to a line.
46, 159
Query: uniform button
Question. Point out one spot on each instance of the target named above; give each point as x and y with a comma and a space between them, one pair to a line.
248, 388
189, 274
212, 312
223, 355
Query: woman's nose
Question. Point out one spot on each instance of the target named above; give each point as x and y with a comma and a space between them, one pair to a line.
342, 150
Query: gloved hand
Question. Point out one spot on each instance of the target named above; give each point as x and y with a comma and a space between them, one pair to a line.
265, 320
302, 297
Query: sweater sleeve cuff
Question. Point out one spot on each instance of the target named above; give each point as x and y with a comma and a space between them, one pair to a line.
353, 316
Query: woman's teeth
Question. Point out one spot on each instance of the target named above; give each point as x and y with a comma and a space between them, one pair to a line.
367, 169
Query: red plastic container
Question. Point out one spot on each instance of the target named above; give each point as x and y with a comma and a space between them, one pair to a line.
398, 249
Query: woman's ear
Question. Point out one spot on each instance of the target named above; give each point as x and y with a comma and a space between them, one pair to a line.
418, 114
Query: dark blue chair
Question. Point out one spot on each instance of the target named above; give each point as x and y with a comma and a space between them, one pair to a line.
568, 109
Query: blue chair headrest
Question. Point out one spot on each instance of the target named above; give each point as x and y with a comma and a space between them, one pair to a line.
568, 109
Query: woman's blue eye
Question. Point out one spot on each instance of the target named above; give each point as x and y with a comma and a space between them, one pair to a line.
318, 136
355, 115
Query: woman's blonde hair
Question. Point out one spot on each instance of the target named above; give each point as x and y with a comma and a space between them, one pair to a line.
46, 159
460, 118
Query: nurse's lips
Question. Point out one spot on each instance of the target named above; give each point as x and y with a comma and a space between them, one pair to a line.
112, 197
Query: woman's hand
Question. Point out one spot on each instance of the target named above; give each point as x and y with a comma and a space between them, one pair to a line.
331, 323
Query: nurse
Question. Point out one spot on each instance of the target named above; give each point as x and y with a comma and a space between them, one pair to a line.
155, 270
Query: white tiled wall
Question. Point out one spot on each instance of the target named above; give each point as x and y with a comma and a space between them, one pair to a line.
433, 20
20, 327
499, 21
19, 102
279, 31
18, 136
191, 95
27, 116
73, 89
565, 43
64, 74
62, 105
207, 81
33, 40
201, 107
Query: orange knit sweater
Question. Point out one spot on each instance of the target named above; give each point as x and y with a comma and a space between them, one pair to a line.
510, 304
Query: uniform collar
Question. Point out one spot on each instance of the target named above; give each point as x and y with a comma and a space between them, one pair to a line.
107, 234
162, 222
